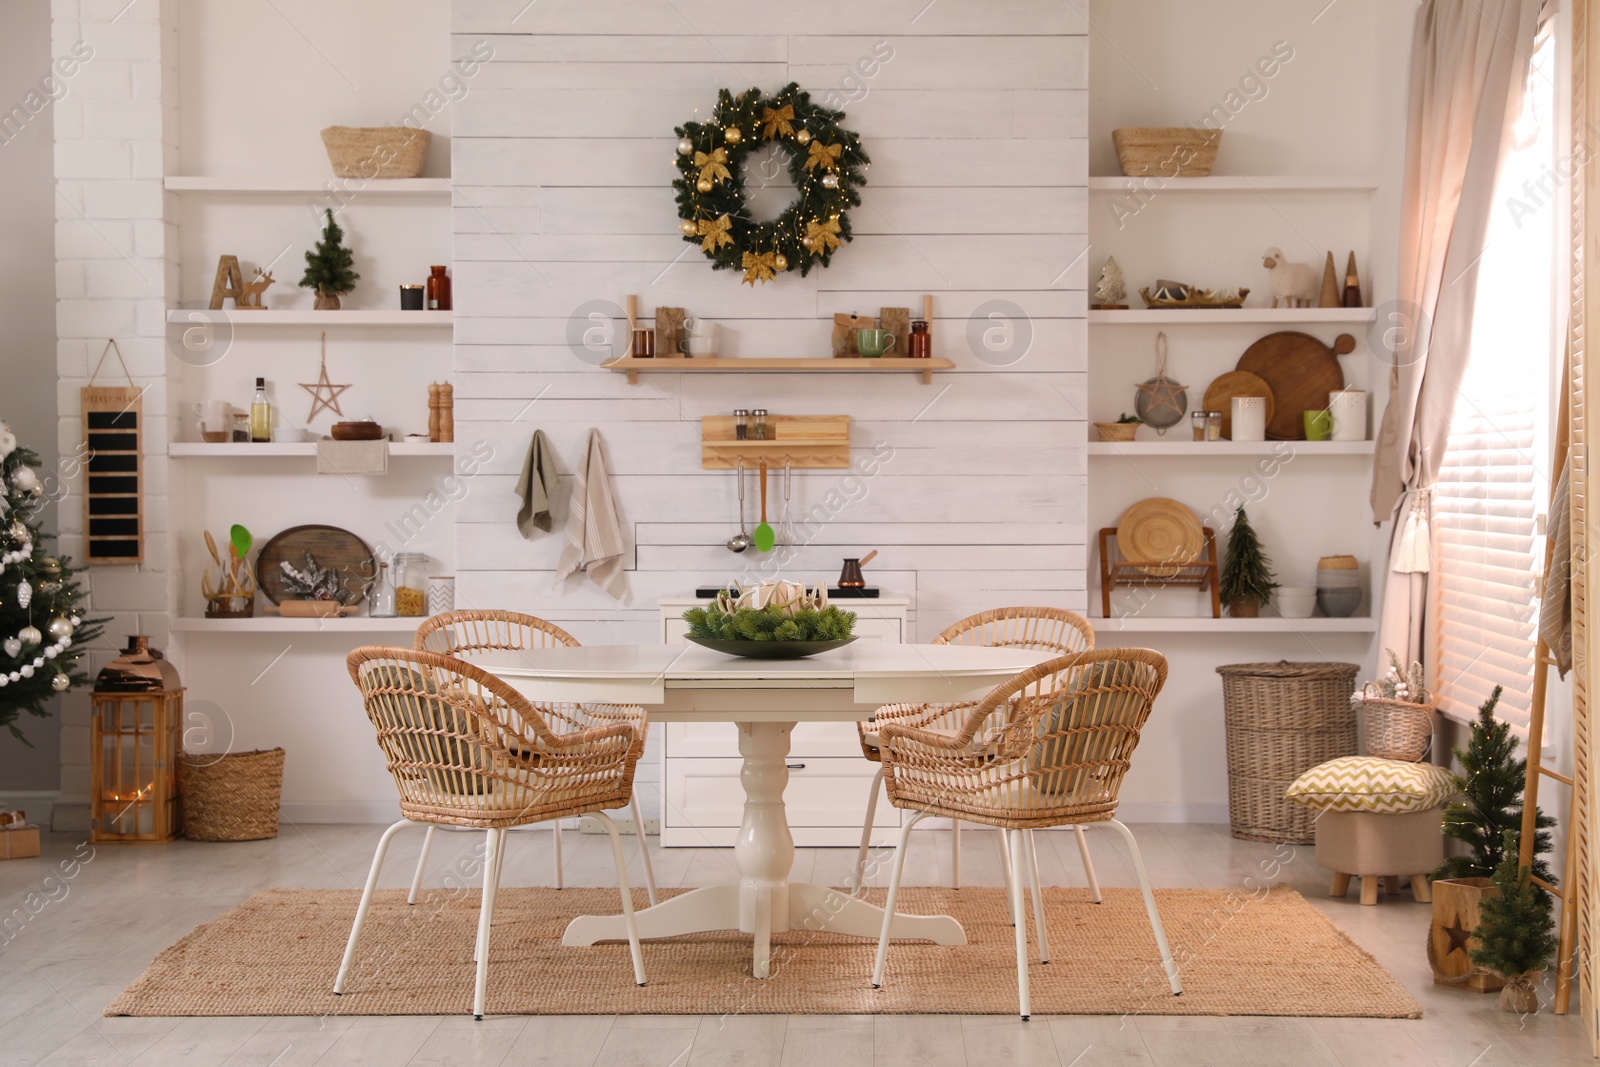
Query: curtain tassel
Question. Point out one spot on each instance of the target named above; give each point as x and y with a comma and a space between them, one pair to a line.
1413, 548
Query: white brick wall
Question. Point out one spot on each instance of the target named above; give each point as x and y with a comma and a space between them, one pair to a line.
115, 131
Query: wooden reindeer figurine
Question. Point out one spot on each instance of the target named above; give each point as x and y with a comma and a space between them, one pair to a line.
250, 297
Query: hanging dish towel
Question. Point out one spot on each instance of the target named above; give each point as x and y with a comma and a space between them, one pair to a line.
352, 457
536, 485
594, 536
1555, 608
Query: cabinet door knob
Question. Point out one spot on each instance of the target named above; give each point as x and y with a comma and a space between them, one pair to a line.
796, 766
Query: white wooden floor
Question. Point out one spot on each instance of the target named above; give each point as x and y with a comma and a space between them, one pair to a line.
91, 935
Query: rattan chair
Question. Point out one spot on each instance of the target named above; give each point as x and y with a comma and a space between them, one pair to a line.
1043, 629
467, 750
464, 633
1046, 748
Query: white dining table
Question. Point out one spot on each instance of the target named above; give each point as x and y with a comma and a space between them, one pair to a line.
763, 700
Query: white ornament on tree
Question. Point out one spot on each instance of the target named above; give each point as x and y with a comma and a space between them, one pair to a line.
12, 646
8, 441
23, 480
30, 635
24, 593
61, 683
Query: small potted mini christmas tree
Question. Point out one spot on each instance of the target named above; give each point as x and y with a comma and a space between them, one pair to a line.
328, 270
1247, 580
1517, 936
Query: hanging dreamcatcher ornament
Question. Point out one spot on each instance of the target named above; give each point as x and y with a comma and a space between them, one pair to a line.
825, 162
1160, 401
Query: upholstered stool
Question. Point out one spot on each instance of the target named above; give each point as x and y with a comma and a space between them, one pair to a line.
1380, 819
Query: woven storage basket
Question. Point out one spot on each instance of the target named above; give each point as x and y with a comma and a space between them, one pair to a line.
376, 151
1117, 431
232, 797
1282, 719
1167, 151
1396, 729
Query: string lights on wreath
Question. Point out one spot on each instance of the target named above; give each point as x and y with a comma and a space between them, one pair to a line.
825, 161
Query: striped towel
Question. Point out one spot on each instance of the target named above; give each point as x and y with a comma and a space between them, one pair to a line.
594, 536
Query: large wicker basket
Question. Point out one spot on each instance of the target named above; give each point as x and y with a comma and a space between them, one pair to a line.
232, 797
1396, 729
1282, 719
1166, 151
376, 151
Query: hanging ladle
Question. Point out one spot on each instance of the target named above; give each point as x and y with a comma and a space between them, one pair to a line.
741, 540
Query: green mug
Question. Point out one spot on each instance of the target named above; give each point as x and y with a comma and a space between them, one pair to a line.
1319, 425
874, 343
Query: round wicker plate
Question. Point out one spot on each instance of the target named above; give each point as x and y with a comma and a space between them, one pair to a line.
1160, 532
769, 649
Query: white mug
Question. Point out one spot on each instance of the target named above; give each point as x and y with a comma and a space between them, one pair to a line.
214, 411
700, 337
214, 432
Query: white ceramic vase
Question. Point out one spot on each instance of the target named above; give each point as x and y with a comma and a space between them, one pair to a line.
1349, 410
1249, 418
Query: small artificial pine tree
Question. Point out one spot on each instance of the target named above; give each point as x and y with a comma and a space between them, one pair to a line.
1109, 290
328, 267
1516, 931
1247, 576
1490, 805
43, 635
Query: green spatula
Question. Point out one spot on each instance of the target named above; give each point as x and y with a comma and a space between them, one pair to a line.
764, 537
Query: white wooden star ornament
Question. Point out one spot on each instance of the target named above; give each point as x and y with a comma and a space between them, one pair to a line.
324, 385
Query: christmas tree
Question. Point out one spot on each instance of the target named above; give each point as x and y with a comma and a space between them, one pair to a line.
42, 631
1247, 580
1516, 932
1490, 805
328, 267
1109, 290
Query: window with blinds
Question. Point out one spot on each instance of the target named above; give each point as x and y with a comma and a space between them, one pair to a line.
1494, 480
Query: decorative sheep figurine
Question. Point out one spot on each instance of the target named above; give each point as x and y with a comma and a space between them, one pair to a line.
1293, 283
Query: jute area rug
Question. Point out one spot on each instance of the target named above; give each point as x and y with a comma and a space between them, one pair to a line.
1239, 954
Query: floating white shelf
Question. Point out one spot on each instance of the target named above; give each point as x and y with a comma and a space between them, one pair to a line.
278, 624
345, 187
1230, 316
1232, 183
1146, 624
269, 317
1213, 449
281, 449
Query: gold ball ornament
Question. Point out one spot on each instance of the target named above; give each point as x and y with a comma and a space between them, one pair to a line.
704, 185
830, 181
732, 135
59, 627
781, 261
61, 683
688, 227
806, 243
685, 146
50, 567
803, 137
30, 635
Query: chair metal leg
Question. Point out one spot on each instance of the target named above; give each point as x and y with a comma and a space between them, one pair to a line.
491, 879
1019, 866
955, 853
644, 849
629, 920
366, 902
1038, 900
1150, 905
888, 904
857, 887
422, 864
555, 828
1005, 870
1088, 863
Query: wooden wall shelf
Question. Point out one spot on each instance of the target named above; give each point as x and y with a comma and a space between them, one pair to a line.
884, 365
813, 442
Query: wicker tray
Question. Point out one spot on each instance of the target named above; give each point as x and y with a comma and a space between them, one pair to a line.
1166, 151
1282, 719
233, 797
1197, 298
376, 151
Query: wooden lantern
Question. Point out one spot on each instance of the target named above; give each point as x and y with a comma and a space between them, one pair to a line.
138, 715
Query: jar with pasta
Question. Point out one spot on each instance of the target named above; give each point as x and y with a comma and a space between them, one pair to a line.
411, 583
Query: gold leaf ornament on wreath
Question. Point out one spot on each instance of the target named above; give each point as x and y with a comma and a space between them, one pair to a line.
824, 160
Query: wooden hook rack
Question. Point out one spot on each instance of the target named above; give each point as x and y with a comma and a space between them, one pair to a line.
814, 442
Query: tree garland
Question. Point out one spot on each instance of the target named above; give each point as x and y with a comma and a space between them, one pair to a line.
825, 161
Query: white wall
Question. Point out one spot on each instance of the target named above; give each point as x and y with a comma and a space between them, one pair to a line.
27, 290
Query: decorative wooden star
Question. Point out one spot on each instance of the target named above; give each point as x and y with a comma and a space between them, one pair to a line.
1162, 396
1458, 935
321, 385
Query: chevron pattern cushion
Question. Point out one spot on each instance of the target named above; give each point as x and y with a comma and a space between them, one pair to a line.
1366, 783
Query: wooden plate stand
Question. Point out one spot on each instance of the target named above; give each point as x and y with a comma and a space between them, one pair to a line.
1116, 571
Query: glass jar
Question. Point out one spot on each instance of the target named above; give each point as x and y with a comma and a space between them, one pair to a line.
1198, 421
438, 290
1213, 426
411, 583
380, 602
921, 343
741, 424
758, 424
441, 593
241, 427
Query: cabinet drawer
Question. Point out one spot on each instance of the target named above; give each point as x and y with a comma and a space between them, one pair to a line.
721, 740
823, 793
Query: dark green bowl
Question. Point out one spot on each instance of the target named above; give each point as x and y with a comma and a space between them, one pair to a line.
769, 649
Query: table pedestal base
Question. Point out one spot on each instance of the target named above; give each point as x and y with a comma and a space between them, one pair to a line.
764, 902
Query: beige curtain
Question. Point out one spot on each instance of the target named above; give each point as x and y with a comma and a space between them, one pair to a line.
1469, 59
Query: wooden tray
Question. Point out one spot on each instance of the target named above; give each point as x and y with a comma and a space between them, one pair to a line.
329, 546
1220, 394
1301, 371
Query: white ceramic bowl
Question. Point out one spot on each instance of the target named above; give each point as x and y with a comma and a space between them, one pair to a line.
1295, 602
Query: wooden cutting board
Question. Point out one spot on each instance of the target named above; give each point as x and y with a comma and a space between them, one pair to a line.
1301, 371
330, 546
1220, 394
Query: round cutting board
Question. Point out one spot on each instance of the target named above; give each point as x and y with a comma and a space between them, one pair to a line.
1220, 394
330, 546
1160, 531
1301, 371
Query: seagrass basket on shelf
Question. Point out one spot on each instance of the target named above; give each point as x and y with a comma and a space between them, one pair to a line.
1166, 151
1117, 431
377, 151
232, 797
1282, 719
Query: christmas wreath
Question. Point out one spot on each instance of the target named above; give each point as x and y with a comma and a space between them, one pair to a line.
825, 161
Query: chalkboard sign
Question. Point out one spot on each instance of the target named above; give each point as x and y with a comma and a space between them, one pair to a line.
113, 431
